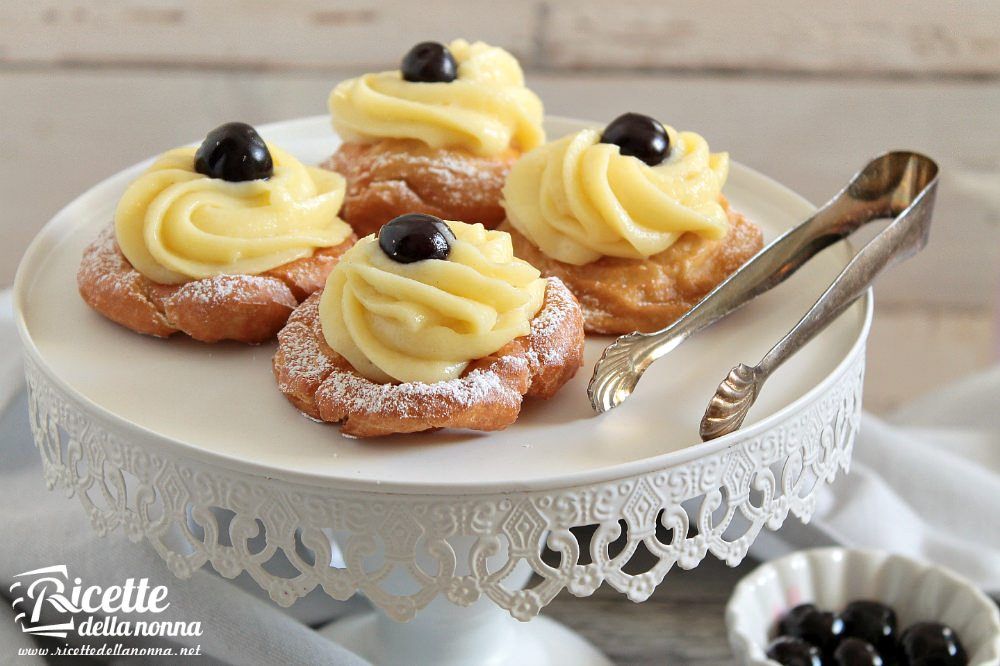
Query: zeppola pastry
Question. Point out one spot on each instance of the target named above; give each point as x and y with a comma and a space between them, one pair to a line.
436, 136
221, 242
632, 220
430, 324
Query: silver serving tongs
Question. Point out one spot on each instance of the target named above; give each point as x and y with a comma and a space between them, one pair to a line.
899, 184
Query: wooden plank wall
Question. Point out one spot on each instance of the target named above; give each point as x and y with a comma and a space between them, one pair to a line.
803, 91
919, 38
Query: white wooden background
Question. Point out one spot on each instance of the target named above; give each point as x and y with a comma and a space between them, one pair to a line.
803, 91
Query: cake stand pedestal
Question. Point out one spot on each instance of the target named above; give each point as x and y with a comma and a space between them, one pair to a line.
192, 449
447, 635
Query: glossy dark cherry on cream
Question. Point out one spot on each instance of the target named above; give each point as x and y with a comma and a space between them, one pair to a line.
931, 644
856, 652
415, 237
429, 62
234, 152
789, 651
640, 136
873, 622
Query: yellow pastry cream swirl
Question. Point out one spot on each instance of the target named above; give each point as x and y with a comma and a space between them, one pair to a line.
425, 321
486, 110
175, 225
578, 199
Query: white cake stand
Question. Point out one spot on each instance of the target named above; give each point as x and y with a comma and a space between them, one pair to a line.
193, 449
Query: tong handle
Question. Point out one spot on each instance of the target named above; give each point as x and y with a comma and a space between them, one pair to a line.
904, 237
881, 189
912, 203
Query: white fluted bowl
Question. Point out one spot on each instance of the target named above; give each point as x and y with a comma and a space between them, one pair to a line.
833, 577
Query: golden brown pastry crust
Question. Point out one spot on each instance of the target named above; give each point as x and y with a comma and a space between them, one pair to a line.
392, 177
488, 395
624, 295
246, 308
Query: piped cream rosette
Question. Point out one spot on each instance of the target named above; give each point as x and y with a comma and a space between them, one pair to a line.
578, 199
425, 321
175, 225
486, 110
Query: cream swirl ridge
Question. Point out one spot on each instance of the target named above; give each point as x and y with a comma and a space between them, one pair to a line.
578, 199
486, 110
425, 321
175, 225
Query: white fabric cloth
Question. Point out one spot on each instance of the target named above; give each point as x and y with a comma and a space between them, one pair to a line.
925, 482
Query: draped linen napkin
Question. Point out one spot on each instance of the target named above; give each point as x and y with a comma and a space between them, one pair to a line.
924, 482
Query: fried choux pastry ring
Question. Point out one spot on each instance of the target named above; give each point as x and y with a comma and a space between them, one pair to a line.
633, 220
220, 243
436, 136
429, 325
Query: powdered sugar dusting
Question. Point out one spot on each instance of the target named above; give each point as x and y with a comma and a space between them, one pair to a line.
103, 261
109, 284
243, 307
406, 172
490, 394
545, 349
359, 395
104, 264
226, 288
302, 357
452, 175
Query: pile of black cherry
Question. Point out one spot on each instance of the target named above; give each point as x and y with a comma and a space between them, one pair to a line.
863, 634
